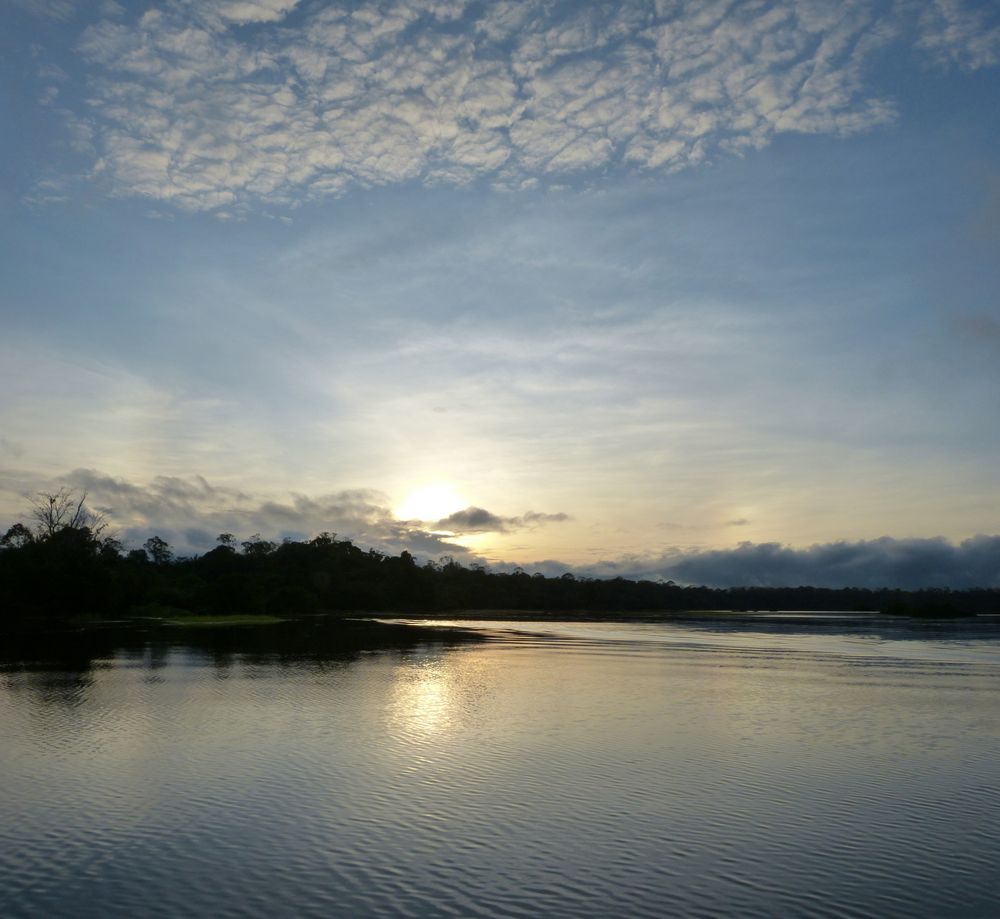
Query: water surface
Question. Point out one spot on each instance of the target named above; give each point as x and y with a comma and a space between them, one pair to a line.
562, 769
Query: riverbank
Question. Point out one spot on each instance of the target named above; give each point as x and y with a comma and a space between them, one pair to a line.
153, 618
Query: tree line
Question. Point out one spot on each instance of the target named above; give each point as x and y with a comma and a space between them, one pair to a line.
65, 561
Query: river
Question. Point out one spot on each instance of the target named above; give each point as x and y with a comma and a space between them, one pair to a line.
551, 769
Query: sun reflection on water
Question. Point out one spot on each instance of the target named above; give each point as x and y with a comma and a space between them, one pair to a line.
423, 698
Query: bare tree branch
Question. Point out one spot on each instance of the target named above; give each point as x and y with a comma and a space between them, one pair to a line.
63, 510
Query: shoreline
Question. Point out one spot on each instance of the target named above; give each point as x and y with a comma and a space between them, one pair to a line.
183, 619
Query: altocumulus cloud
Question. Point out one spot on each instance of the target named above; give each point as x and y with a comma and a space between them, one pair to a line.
228, 105
54, 9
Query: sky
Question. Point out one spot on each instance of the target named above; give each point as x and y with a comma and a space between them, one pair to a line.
705, 291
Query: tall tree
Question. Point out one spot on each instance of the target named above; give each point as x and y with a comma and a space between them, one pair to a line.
53, 512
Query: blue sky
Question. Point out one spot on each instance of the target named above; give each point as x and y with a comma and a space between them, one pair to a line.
640, 282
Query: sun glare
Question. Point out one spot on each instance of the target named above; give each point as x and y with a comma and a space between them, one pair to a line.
429, 503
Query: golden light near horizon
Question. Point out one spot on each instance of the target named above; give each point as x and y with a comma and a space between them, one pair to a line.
429, 503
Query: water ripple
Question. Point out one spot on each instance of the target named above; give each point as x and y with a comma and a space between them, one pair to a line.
571, 772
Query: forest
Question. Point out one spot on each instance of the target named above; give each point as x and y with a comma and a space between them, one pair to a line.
65, 563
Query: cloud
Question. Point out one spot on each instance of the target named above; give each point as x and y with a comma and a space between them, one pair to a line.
980, 328
189, 512
189, 107
52, 9
472, 520
11, 447
534, 519
885, 562
953, 32
247, 11
479, 520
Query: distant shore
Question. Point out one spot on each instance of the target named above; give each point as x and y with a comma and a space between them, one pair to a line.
174, 620
67, 570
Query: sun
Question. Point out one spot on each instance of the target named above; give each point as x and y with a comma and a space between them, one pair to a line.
430, 502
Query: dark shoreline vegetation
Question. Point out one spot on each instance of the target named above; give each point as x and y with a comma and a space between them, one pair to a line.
68, 568
56, 664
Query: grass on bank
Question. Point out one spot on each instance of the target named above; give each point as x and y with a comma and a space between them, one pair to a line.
174, 615
210, 620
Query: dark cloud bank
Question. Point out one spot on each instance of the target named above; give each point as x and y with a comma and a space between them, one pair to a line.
906, 563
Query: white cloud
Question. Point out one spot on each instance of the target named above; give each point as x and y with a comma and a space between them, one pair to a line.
244, 11
188, 106
954, 33
52, 9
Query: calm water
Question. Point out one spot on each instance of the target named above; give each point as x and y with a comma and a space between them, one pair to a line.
583, 770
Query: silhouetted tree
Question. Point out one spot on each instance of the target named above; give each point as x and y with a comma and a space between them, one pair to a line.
63, 510
159, 550
66, 564
255, 547
17, 537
